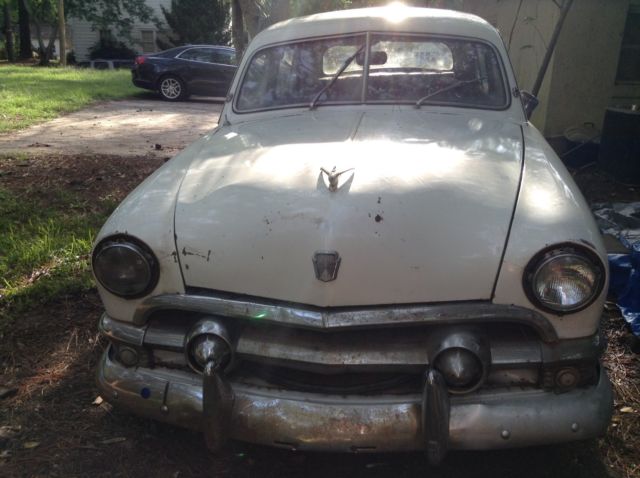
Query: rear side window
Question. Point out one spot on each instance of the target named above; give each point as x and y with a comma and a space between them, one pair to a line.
205, 55
224, 57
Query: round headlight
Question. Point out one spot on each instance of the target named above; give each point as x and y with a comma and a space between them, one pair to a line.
125, 267
564, 280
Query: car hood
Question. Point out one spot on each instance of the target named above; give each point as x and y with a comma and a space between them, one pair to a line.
422, 215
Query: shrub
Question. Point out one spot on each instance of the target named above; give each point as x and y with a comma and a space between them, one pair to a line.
111, 49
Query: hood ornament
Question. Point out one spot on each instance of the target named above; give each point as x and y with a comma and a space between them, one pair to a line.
326, 265
333, 177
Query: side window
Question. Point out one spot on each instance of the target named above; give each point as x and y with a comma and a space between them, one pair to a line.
224, 57
629, 62
198, 54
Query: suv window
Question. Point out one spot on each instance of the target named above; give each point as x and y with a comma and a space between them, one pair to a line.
198, 54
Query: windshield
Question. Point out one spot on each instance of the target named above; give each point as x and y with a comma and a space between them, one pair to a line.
293, 74
402, 69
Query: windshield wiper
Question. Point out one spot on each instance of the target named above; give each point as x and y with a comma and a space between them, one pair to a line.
337, 74
452, 86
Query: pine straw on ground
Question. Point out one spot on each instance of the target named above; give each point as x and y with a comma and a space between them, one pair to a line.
621, 446
93, 178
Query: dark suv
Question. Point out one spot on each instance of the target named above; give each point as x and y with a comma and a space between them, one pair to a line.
205, 70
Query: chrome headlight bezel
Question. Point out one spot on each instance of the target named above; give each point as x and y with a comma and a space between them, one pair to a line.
133, 246
560, 252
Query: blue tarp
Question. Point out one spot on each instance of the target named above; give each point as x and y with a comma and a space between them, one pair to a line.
624, 283
622, 220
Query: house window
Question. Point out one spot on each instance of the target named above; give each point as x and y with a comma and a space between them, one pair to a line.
629, 62
105, 36
148, 41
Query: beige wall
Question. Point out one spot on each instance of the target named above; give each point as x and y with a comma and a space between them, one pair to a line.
580, 81
585, 64
525, 37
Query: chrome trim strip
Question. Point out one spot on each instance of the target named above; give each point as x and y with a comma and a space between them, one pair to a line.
308, 349
484, 420
118, 331
337, 318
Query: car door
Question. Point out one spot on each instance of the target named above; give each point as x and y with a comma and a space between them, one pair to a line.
225, 68
196, 66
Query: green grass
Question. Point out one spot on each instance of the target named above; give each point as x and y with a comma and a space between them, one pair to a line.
29, 94
44, 248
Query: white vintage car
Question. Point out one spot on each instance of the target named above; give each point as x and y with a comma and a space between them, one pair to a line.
374, 251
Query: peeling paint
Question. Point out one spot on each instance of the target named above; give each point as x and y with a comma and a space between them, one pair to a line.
186, 252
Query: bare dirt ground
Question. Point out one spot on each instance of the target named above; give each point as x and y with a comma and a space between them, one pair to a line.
132, 127
55, 425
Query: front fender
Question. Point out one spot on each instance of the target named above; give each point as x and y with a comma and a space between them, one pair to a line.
148, 215
550, 210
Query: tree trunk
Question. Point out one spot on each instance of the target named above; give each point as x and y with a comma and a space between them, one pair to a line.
26, 51
251, 16
52, 40
41, 49
237, 28
45, 52
63, 34
8, 33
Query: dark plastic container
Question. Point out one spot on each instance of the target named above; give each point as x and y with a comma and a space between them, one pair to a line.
620, 145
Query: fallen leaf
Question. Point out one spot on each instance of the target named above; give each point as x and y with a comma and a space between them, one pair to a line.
98, 400
626, 410
30, 444
9, 431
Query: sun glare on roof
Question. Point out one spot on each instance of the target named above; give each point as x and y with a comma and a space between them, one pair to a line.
397, 12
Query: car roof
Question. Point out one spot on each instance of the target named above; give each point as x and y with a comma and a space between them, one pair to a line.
172, 52
395, 17
223, 47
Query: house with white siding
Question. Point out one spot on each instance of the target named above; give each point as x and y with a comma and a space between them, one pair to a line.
143, 35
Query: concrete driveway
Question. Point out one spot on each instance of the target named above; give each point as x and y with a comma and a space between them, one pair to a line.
131, 127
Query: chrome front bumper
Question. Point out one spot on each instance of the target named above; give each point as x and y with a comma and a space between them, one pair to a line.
308, 421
